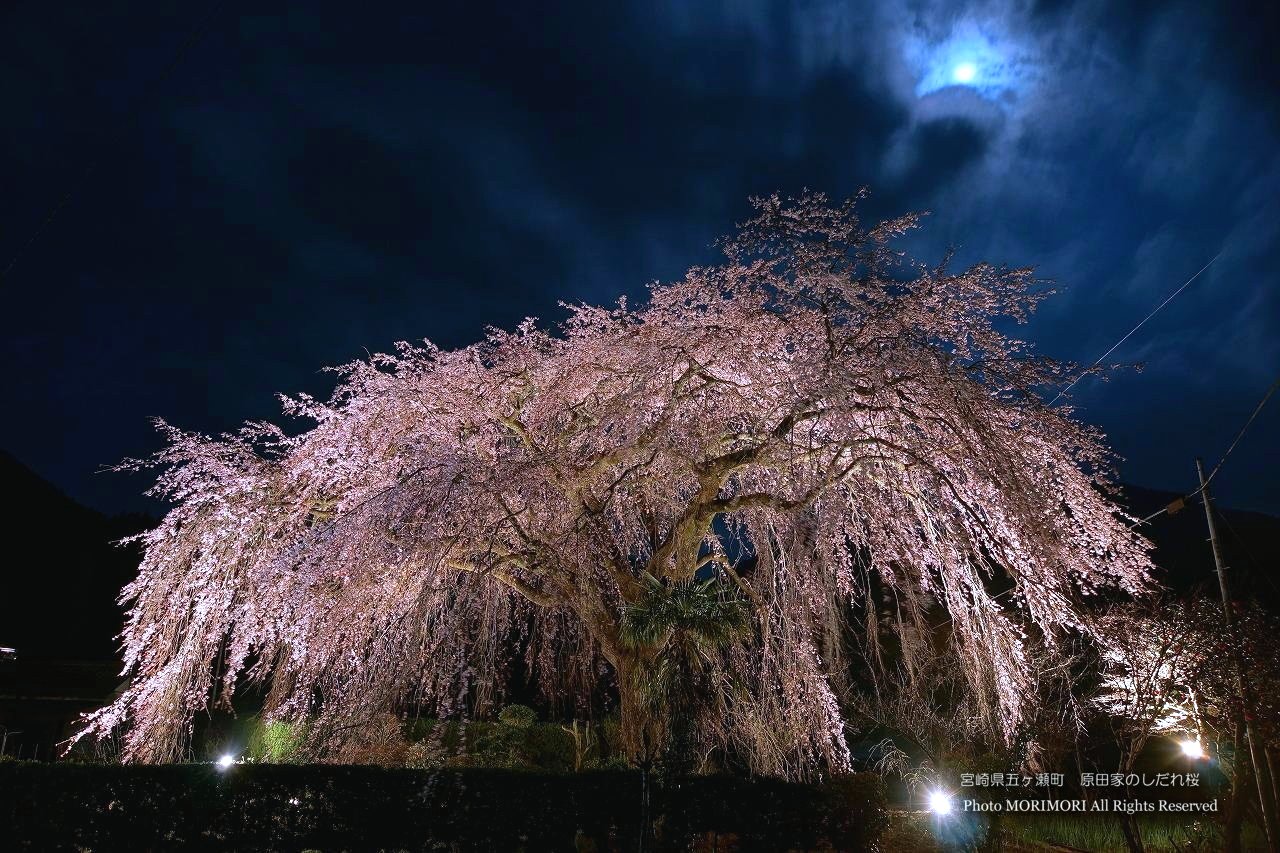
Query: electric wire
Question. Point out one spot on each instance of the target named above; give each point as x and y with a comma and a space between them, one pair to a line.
1153, 313
1177, 504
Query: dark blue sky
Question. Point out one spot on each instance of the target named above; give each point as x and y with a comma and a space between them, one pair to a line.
307, 183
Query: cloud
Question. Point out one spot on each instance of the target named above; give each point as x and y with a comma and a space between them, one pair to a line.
306, 186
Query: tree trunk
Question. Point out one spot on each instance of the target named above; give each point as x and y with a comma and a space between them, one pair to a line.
1129, 827
641, 730
1132, 837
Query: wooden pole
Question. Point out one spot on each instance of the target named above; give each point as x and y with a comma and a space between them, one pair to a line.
1259, 764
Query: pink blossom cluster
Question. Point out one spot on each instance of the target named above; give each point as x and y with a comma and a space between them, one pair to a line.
815, 414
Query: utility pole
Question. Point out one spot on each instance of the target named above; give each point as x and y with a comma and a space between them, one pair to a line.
1265, 805
4, 742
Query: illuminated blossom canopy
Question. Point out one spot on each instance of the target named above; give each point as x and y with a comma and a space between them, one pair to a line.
1172, 667
815, 415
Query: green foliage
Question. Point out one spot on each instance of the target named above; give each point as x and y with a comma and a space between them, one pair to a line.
907, 833
274, 741
704, 613
502, 745
446, 735
687, 623
516, 741
518, 716
609, 751
547, 747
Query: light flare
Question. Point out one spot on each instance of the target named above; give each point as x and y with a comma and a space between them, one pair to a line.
940, 802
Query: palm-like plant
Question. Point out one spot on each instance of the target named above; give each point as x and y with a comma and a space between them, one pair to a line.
683, 626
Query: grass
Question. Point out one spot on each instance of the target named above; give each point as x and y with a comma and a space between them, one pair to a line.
908, 833
1160, 833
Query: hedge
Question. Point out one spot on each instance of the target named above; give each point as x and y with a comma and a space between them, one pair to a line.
337, 808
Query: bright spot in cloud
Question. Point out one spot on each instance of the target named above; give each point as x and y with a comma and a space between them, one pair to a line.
986, 58
939, 802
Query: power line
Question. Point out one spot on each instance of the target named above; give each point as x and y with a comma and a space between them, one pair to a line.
1117, 344
1240, 434
1181, 502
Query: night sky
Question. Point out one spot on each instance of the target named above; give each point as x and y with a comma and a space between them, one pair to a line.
202, 205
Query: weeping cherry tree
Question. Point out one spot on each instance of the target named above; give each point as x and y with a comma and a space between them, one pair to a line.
817, 414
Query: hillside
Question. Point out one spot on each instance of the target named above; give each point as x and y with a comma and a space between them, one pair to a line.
1250, 541
62, 573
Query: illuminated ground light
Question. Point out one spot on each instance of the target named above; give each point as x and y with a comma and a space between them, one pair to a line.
1192, 749
225, 761
940, 802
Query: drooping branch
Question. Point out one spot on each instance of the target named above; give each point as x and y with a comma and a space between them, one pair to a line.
816, 404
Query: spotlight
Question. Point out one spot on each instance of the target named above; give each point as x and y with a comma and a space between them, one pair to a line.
1192, 749
225, 761
940, 802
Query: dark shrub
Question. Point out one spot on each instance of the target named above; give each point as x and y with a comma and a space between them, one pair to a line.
856, 810
331, 808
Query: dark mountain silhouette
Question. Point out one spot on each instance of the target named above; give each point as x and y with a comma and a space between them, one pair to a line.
62, 573
1250, 542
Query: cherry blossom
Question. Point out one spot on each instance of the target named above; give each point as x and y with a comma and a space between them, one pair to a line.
814, 413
